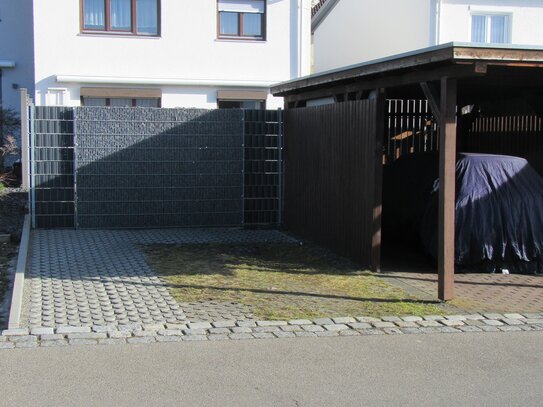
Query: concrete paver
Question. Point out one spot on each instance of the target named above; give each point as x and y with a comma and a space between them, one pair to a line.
488, 293
100, 278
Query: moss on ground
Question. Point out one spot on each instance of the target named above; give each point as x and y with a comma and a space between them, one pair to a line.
279, 281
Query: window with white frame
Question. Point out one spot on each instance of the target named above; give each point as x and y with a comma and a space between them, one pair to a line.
244, 19
490, 28
55, 96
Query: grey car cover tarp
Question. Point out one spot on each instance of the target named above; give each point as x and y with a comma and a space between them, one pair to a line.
498, 211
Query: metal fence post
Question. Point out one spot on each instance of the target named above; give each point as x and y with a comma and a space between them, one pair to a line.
24, 140
280, 166
32, 162
74, 160
243, 168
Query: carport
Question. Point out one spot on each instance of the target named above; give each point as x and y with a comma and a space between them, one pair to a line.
335, 131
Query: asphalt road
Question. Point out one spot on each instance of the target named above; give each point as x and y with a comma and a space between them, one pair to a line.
487, 369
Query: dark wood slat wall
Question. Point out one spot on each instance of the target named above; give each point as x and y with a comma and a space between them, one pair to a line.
520, 136
330, 176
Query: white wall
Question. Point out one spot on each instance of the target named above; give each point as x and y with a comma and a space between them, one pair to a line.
187, 49
526, 19
357, 31
16, 40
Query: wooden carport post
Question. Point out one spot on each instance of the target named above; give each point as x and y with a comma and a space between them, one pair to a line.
445, 114
447, 180
378, 136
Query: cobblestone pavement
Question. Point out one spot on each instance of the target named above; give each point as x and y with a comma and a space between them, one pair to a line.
95, 278
248, 329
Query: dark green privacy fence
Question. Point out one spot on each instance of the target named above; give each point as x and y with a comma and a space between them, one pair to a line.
52, 166
94, 167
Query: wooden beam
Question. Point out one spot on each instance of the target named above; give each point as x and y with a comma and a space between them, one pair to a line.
379, 95
447, 180
498, 55
416, 60
398, 80
430, 92
481, 67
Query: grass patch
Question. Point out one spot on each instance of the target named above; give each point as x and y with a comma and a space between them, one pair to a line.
279, 281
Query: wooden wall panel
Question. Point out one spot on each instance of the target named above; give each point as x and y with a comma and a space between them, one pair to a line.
330, 176
520, 136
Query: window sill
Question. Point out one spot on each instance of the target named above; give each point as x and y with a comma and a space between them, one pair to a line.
241, 39
106, 34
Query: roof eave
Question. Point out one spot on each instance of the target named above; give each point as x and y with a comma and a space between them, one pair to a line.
451, 52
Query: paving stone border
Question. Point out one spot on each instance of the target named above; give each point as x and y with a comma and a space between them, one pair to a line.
252, 329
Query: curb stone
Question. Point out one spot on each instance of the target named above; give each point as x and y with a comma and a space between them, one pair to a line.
251, 329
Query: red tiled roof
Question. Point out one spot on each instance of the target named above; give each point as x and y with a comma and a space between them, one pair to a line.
317, 7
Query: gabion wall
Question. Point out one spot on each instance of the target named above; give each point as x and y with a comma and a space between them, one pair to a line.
145, 167
96, 167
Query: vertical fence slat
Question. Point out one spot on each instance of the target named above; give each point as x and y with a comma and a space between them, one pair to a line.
519, 135
411, 128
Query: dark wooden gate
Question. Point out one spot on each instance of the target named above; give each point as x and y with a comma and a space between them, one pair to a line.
333, 176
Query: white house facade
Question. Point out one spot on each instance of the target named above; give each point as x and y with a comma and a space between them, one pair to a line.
164, 53
346, 32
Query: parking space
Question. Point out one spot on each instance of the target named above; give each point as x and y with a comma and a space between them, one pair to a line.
91, 277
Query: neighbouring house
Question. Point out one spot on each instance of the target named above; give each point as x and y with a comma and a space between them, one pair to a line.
16, 51
348, 32
161, 53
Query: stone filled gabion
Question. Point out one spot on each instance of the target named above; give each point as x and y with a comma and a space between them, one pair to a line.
159, 167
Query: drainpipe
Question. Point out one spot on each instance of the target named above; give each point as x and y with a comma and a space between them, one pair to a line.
303, 31
438, 22
300, 34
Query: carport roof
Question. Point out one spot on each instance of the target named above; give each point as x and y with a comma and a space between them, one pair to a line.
493, 77
452, 60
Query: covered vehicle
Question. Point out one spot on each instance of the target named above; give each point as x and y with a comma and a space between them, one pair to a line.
498, 210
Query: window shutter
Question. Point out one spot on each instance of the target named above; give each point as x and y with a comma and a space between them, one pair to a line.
242, 6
